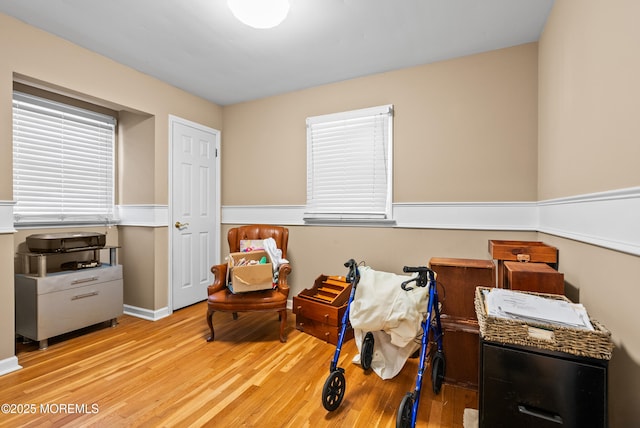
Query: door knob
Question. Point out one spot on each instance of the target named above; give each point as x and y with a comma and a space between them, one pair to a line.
179, 225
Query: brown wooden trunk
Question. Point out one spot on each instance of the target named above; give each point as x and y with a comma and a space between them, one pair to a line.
461, 344
459, 279
538, 277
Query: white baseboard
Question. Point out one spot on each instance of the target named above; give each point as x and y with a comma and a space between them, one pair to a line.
9, 365
147, 314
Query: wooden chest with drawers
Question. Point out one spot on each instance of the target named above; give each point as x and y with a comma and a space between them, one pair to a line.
320, 310
521, 251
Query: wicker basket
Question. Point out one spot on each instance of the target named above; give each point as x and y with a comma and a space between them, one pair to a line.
584, 343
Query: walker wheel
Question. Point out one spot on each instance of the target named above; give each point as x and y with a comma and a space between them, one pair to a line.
405, 411
333, 390
366, 355
437, 371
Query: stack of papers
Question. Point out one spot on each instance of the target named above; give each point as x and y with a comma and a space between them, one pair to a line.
502, 303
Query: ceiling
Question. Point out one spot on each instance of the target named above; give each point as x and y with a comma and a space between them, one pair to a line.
198, 45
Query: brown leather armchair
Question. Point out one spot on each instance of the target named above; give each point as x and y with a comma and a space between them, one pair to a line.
220, 297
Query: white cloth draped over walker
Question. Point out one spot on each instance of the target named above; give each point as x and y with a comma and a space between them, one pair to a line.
391, 314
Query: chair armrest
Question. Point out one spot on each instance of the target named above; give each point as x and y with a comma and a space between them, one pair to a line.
283, 272
219, 278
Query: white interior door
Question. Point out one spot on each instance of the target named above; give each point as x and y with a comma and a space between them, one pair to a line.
194, 223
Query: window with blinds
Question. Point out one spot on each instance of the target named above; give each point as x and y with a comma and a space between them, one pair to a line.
63, 163
349, 166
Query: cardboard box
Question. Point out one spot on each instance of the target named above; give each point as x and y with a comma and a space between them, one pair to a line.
253, 277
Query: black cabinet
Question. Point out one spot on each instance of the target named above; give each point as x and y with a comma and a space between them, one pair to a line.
528, 387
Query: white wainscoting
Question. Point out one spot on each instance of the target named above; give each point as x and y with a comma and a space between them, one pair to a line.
467, 215
6, 217
607, 219
453, 215
143, 215
263, 214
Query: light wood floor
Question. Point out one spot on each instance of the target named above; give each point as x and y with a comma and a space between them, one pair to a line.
164, 373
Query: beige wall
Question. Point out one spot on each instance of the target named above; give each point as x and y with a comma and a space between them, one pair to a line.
136, 160
139, 290
7, 317
144, 104
146, 286
464, 130
606, 282
588, 142
589, 98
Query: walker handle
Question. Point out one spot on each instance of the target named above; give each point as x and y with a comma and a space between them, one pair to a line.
421, 280
409, 269
353, 274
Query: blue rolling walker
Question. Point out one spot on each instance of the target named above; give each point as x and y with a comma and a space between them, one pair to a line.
408, 410
334, 386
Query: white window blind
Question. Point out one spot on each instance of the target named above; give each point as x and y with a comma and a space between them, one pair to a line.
349, 166
63, 163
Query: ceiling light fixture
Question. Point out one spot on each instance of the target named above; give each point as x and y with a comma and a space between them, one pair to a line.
259, 13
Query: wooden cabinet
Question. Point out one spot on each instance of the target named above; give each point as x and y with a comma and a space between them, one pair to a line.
461, 345
51, 305
537, 277
458, 279
529, 387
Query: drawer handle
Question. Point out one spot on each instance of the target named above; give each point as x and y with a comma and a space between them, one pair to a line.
540, 414
82, 296
80, 281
